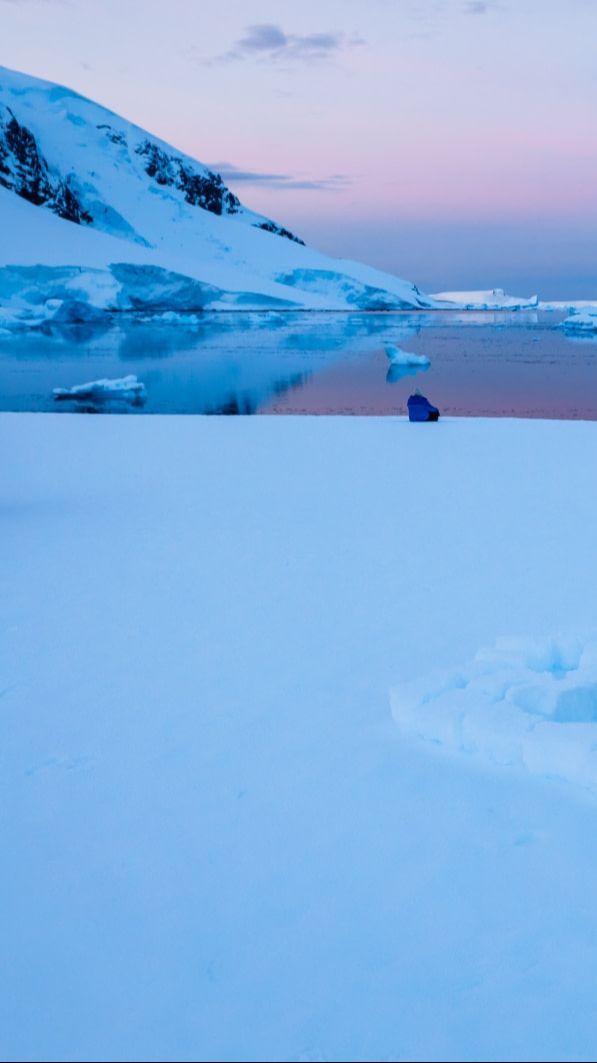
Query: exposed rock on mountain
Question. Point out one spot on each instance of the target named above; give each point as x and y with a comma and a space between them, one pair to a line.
24, 170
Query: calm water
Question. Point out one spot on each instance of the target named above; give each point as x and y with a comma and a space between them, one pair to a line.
482, 364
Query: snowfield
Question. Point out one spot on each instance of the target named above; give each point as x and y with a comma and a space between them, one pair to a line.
243, 818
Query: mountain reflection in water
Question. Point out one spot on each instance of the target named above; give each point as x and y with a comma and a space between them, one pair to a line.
482, 364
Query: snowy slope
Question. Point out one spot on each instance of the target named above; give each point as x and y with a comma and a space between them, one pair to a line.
69, 166
86, 164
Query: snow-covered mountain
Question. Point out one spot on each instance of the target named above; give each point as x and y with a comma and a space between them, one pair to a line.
97, 214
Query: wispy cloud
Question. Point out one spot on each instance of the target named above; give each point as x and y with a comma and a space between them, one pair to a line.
285, 182
268, 42
478, 7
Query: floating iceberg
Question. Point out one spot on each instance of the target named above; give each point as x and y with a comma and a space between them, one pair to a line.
123, 389
397, 356
582, 322
74, 312
496, 299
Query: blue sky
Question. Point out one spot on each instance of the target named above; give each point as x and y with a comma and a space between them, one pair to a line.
451, 141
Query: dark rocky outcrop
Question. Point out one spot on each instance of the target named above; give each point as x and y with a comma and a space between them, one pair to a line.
113, 134
279, 230
24, 170
205, 190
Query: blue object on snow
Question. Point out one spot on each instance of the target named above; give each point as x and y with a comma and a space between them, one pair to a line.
420, 409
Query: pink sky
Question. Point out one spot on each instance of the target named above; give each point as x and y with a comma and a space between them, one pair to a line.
360, 121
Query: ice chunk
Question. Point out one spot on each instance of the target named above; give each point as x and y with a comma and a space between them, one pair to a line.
582, 322
124, 389
399, 357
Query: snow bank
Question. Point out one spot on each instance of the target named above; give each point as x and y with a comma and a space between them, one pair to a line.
124, 389
496, 299
524, 702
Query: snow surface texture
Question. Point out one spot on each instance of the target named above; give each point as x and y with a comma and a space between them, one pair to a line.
142, 226
124, 389
496, 299
218, 843
521, 702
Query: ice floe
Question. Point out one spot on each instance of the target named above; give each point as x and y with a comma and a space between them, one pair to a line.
125, 389
581, 321
397, 356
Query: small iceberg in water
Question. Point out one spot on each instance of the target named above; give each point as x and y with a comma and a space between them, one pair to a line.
125, 389
397, 356
403, 363
582, 322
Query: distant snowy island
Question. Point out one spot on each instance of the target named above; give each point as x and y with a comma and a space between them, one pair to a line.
496, 299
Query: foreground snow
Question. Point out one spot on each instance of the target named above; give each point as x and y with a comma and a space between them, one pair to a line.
219, 844
495, 299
